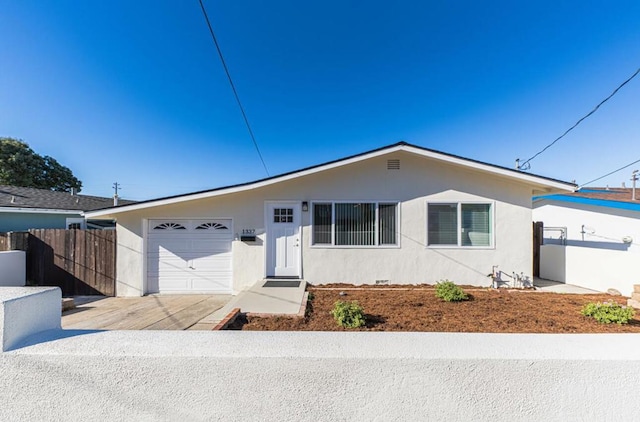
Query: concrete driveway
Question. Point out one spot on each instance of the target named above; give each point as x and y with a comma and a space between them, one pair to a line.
154, 312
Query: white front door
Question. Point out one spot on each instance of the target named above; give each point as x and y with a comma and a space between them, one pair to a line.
283, 239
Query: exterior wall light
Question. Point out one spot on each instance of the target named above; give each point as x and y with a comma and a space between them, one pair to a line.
305, 206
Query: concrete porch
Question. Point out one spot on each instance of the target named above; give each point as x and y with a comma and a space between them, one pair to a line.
266, 297
558, 287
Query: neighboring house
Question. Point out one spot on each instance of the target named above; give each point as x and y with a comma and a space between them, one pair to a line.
398, 214
29, 208
591, 238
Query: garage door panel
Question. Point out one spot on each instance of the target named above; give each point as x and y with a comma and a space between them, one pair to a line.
175, 284
169, 245
196, 258
218, 285
211, 244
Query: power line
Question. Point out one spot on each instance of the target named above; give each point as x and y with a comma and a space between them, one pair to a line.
233, 87
609, 174
583, 118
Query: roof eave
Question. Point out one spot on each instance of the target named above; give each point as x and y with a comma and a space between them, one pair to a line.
537, 181
39, 210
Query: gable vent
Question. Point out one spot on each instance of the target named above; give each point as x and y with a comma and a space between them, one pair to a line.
393, 164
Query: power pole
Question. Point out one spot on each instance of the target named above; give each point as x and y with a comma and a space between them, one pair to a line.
116, 186
634, 178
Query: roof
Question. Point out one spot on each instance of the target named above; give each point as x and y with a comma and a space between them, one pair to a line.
620, 198
21, 198
540, 181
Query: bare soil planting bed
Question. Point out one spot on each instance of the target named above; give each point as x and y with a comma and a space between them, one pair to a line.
417, 309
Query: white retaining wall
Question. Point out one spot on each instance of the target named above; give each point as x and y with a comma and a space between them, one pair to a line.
13, 268
593, 268
320, 376
25, 311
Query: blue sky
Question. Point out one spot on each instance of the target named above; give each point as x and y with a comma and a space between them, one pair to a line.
134, 92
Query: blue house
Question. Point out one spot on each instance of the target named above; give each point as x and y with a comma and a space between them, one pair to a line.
29, 208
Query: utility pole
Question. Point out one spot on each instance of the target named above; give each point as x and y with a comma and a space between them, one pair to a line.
634, 178
116, 186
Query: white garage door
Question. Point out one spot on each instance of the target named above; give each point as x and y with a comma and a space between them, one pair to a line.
189, 256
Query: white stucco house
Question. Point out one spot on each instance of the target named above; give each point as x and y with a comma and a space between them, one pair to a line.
398, 214
591, 238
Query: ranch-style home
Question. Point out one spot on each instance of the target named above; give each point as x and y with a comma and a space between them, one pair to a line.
398, 214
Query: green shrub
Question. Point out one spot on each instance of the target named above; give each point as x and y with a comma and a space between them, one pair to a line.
608, 312
348, 314
450, 292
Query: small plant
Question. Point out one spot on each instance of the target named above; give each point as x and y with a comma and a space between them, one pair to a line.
348, 314
450, 292
608, 312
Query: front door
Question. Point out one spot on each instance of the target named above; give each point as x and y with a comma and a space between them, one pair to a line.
283, 239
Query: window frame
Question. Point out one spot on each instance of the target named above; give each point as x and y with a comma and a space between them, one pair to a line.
333, 245
459, 204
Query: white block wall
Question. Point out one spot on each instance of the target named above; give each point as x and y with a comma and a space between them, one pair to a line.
596, 269
13, 268
287, 376
25, 311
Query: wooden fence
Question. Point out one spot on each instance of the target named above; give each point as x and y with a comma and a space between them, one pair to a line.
80, 262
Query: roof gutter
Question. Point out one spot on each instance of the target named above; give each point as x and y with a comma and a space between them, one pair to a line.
39, 210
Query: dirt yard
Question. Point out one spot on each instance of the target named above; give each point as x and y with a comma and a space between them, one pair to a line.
492, 311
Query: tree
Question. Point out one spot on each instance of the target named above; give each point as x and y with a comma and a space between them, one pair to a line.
21, 166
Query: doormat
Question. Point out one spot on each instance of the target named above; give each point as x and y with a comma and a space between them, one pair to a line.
282, 283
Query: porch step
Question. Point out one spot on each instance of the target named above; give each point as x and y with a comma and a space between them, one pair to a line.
261, 300
282, 282
67, 304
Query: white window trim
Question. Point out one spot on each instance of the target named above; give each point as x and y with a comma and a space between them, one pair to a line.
80, 220
333, 231
492, 243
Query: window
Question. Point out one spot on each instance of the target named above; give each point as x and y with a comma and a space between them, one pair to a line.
283, 215
75, 223
355, 223
459, 224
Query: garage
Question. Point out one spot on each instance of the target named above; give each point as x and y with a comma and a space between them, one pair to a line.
189, 256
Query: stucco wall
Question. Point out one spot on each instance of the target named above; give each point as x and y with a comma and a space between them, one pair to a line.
553, 263
419, 180
13, 268
245, 376
25, 311
597, 259
597, 269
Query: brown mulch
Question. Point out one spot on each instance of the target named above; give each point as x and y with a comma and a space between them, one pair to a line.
489, 311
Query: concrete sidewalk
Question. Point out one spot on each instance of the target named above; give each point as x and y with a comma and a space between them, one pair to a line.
557, 287
260, 300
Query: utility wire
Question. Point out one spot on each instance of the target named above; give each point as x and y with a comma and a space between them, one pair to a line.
583, 118
608, 174
233, 87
